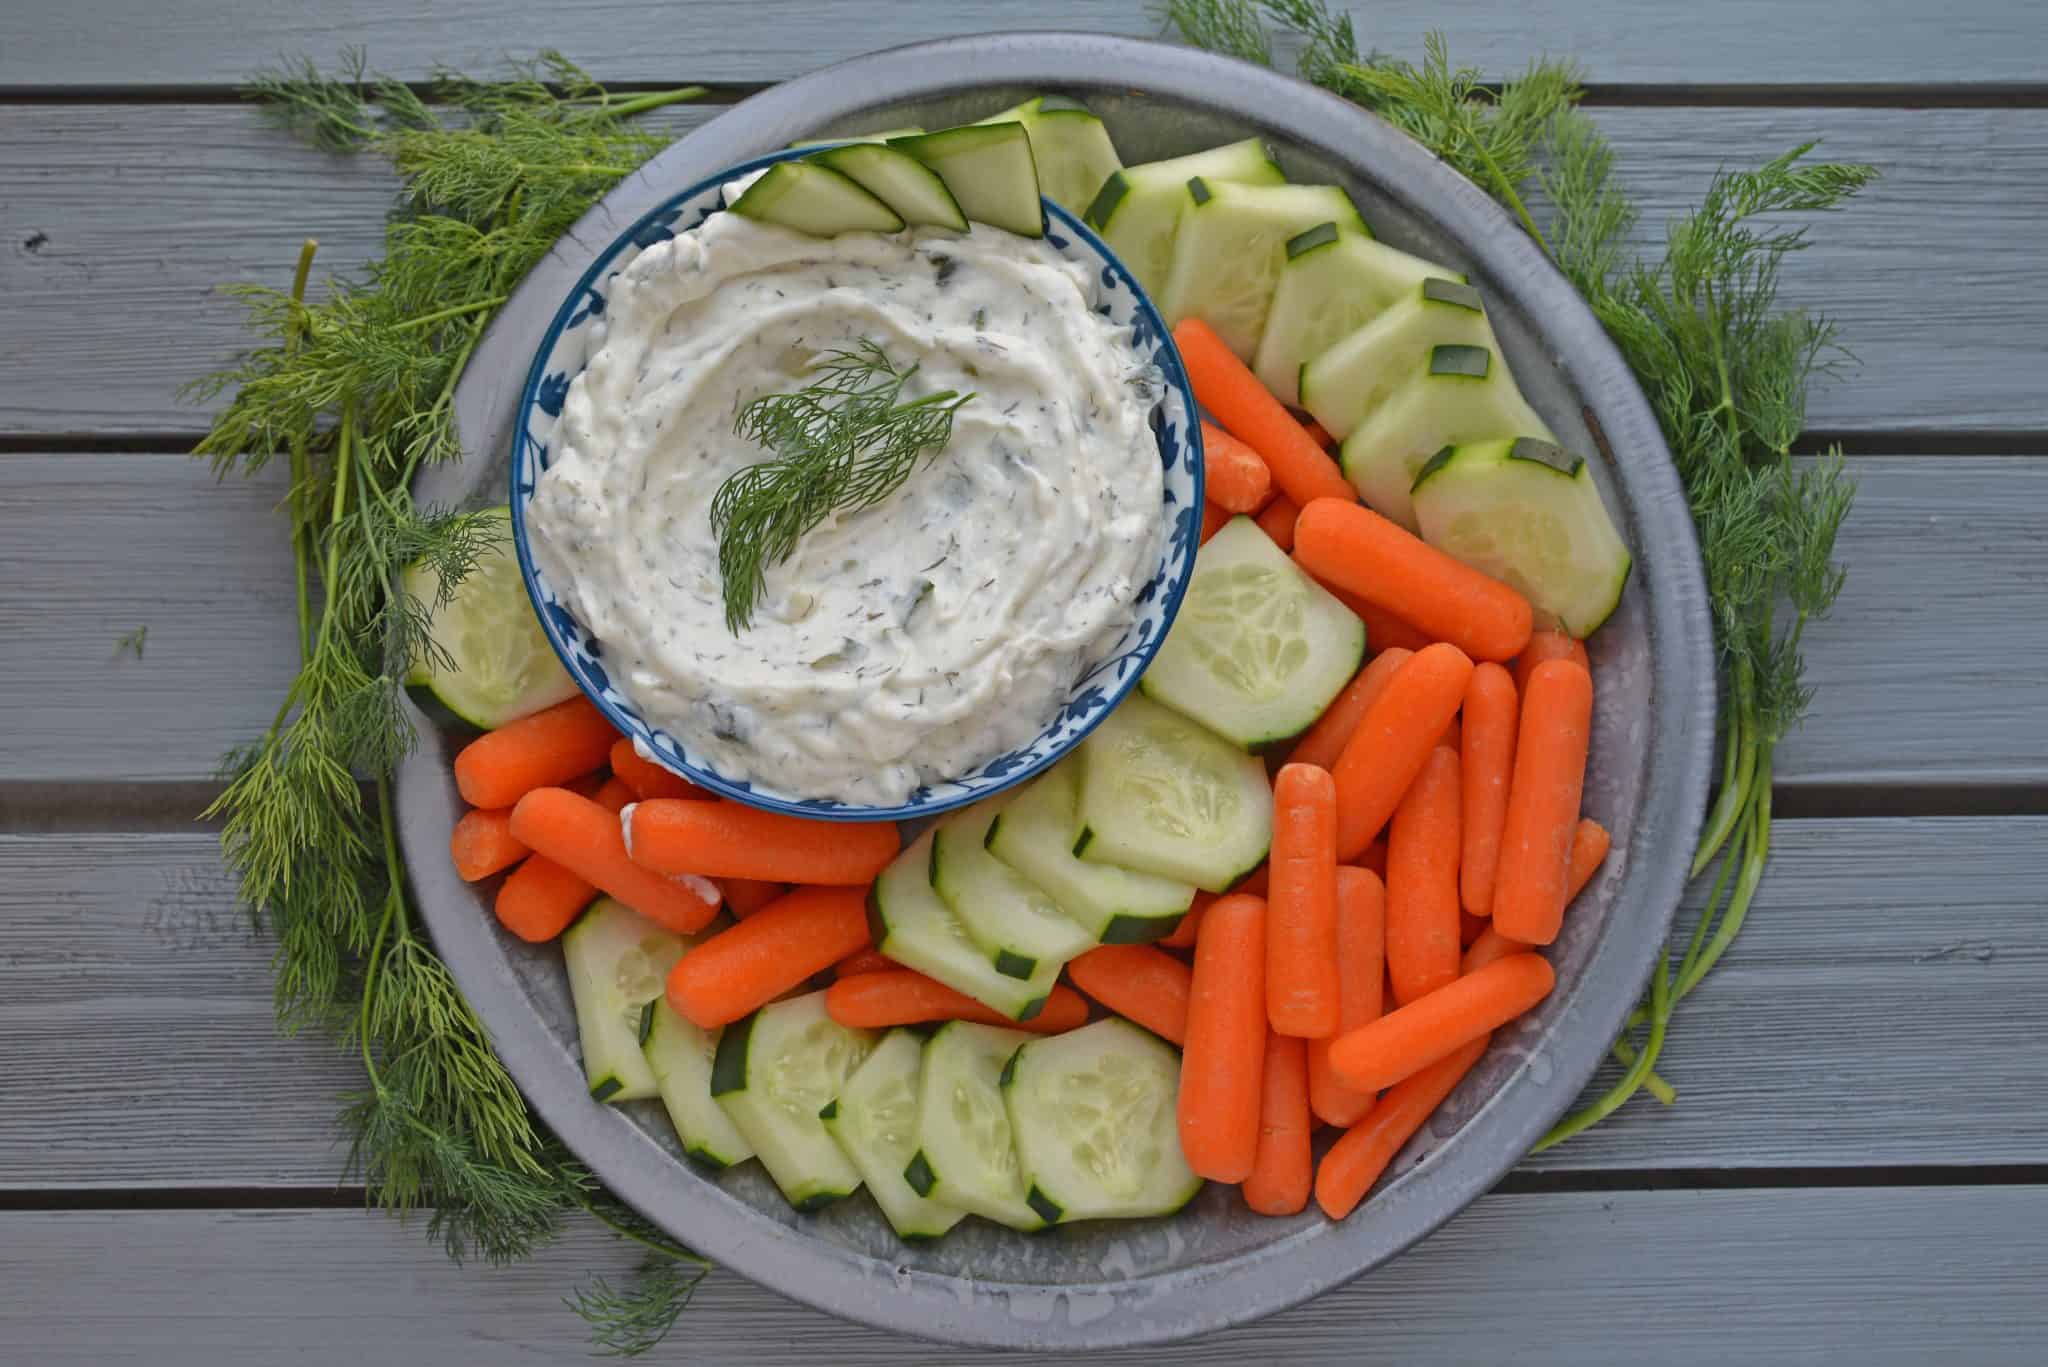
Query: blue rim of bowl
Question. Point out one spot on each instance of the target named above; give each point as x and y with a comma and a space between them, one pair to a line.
1175, 375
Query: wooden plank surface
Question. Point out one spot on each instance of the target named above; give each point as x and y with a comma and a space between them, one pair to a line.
208, 195
136, 1006
1633, 41
1908, 1277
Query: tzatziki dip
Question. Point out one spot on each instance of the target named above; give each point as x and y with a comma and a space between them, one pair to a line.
898, 645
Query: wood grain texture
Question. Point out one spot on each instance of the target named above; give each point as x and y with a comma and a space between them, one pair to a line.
1879, 1009
1906, 1275
1634, 41
110, 312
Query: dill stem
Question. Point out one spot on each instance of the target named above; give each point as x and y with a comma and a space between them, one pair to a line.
1738, 771
1753, 859
625, 1232
454, 311
1505, 188
640, 104
294, 335
1631, 1082
442, 400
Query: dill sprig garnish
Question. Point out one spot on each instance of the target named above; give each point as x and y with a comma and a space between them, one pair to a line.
844, 442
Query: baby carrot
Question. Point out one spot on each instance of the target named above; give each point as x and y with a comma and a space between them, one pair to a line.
1236, 399
482, 844
539, 899
613, 795
1324, 741
1590, 843
1282, 1168
1301, 907
1543, 802
589, 784
745, 896
900, 996
864, 961
1453, 737
1213, 519
1224, 1055
1471, 927
1355, 548
1183, 935
726, 840
1490, 945
1140, 984
1375, 859
648, 779
1394, 740
1548, 644
1361, 951
1277, 522
1383, 630
1357, 1159
1486, 761
1318, 433
754, 961
1233, 476
1422, 881
566, 741
585, 839
1410, 1038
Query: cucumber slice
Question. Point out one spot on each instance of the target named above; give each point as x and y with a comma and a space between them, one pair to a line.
911, 925
1070, 146
909, 187
1356, 374
1331, 284
1005, 913
988, 168
966, 1155
681, 1056
1259, 648
874, 1119
1461, 394
1231, 245
499, 666
618, 964
1034, 834
1163, 795
886, 135
774, 1072
1098, 1133
1138, 208
814, 199
1528, 513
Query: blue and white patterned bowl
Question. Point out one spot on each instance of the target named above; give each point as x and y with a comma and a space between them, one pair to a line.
565, 349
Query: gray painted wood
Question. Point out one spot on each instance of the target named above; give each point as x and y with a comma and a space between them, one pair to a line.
1921, 673
1905, 1277
1666, 41
1881, 1008
1947, 338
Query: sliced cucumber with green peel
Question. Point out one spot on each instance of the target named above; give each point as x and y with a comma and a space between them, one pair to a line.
1331, 284
1034, 834
681, 1056
498, 665
1527, 512
1096, 1122
1259, 649
913, 926
774, 1072
874, 1121
1070, 146
618, 964
966, 1153
1165, 795
912, 190
1231, 243
1005, 913
886, 135
814, 199
988, 169
1138, 208
1460, 394
1358, 372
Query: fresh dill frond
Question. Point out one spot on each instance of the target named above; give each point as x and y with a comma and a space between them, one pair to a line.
1230, 27
627, 1321
844, 442
131, 643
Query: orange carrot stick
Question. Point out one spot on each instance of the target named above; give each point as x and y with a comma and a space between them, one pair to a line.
1486, 762
1489, 947
1590, 843
539, 899
1233, 476
1277, 521
566, 741
1361, 952
1301, 908
1224, 1056
1213, 519
754, 961
1355, 548
1282, 1168
648, 779
1324, 741
864, 961
1236, 399
1422, 881
1543, 802
1549, 644
1393, 741
1357, 1159
585, 839
726, 840
1410, 1038
745, 896
482, 844
900, 996
1140, 984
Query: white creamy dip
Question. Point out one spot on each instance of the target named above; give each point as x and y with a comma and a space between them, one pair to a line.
902, 644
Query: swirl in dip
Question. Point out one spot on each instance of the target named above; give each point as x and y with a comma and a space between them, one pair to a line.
903, 644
